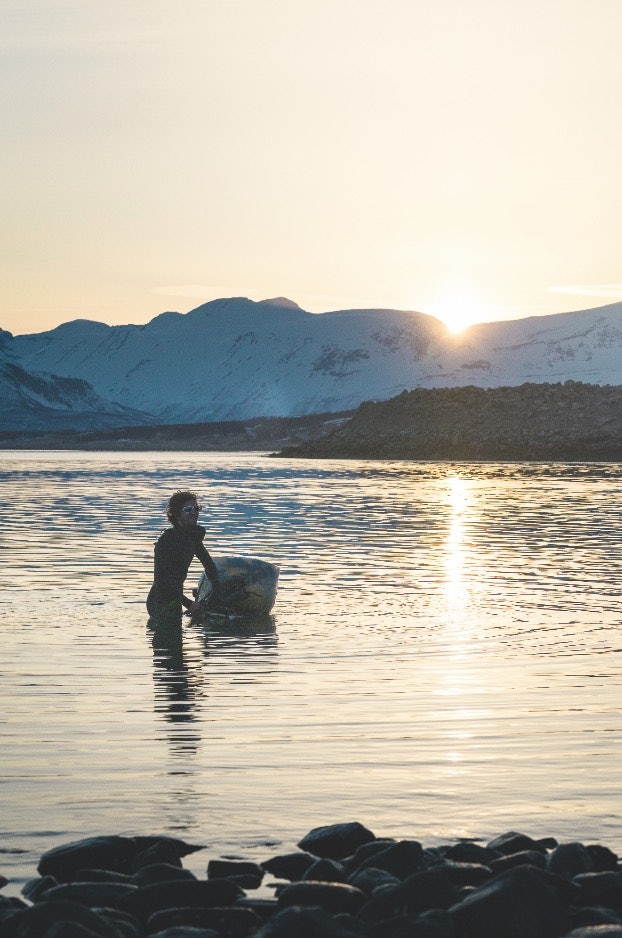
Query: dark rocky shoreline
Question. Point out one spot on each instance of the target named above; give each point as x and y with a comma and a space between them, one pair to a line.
538, 422
343, 882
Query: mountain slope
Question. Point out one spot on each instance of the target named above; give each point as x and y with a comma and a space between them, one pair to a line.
48, 402
238, 359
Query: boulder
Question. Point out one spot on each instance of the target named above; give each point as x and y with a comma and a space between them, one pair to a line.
336, 841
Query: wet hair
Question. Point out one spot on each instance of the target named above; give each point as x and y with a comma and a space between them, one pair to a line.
176, 502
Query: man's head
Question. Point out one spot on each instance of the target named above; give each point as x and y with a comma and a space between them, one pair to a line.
181, 503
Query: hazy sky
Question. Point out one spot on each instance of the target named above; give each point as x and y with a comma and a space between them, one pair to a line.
448, 156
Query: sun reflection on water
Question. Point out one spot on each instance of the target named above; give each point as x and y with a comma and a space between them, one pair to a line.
455, 685
456, 579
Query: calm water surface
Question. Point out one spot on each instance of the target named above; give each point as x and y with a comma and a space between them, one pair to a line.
443, 659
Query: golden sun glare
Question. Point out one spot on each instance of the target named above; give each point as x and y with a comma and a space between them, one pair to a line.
457, 309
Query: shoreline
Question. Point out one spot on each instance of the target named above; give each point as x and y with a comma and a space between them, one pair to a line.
341, 881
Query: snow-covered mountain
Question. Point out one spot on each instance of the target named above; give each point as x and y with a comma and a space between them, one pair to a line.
236, 359
48, 402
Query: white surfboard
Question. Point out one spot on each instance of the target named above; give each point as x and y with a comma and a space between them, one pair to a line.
248, 586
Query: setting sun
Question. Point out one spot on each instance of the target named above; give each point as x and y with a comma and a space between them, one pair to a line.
458, 309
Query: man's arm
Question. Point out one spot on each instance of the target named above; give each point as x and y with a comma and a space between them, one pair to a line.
210, 568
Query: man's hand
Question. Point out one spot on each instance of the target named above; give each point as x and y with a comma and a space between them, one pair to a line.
196, 612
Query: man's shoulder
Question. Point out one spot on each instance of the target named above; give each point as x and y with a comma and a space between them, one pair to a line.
168, 534
175, 533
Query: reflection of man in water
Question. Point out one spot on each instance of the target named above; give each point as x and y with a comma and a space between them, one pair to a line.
173, 554
176, 688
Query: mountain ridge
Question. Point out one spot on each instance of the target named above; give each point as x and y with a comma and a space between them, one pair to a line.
237, 359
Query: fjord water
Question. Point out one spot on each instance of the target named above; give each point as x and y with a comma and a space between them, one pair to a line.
443, 659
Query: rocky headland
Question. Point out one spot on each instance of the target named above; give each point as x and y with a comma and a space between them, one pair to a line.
341, 882
569, 421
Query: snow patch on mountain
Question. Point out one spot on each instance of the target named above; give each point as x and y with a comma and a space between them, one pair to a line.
50, 402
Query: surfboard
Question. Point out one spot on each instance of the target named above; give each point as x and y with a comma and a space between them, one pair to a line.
248, 585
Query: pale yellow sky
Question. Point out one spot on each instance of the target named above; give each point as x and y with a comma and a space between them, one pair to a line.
457, 157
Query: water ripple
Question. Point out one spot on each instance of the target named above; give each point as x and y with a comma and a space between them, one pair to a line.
445, 650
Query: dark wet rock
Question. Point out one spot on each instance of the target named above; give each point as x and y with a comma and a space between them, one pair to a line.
35, 888
467, 874
230, 922
155, 856
432, 856
512, 842
524, 858
3, 882
546, 843
465, 851
68, 930
159, 873
174, 846
100, 876
264, 908
519, 899
434, 924
328, 871
332, 897
382, 888
603, 888
602, 858
152, 850
303, 922
563, 888
9, 907
399, 926
401, 859
419, 893
570, 860
440, 921
364, 852
145, 901
127, 925
350, 925
6, 912
336, 841
89, 894
37, 921
371, 879
247, 875
113, 853
12, 902
290, 866
107, 853
594, 915
596, 931
185, 931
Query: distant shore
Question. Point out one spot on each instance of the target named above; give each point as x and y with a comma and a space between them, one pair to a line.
531, 422
260, 434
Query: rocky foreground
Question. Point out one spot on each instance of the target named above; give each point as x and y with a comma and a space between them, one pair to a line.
343, 882
570, 421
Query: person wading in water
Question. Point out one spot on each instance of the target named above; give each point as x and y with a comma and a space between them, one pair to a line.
173, 554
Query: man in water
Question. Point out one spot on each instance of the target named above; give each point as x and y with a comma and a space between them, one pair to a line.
173, 554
